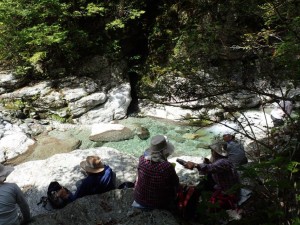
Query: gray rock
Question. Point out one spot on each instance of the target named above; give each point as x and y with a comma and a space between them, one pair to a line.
113, 207
115, 108
86, 103
142, 132
13, 144
110, 132
33, 177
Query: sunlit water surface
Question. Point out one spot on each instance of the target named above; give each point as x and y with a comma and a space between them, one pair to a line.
177, 133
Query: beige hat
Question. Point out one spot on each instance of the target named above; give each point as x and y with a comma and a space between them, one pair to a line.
160, 143
92, 164
4, 172
218, 148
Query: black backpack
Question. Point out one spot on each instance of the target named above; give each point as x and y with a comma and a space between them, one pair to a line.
55, 201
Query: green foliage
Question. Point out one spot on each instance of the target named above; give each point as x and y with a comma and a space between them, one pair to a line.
43, 36
58, 118
94, 9
38, 56
115, 25
14, 105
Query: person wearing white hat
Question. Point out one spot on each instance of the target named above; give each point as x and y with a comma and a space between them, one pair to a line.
11, 196
235, 150
157, 181
282, 110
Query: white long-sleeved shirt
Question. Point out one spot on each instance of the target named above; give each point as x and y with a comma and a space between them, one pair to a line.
284, 108
11, 196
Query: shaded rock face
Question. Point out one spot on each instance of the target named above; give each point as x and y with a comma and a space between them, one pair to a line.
110, 208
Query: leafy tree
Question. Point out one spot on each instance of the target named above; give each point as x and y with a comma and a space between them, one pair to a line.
49, 37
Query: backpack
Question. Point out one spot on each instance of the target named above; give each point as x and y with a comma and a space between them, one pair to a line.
55, 201
219, 201
187, 201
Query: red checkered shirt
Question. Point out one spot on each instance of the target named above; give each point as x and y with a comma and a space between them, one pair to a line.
156, 185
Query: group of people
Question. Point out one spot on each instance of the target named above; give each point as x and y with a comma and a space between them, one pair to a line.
156, 184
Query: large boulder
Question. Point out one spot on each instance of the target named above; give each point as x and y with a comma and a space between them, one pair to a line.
113, 207
34, 177
115, 108
13, 140
103, 132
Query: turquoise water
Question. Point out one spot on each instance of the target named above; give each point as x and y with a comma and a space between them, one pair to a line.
188, 140
177, 134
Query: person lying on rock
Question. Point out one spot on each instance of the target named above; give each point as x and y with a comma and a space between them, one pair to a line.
222, 182
235, 150
100, 178
11, 196
157, 182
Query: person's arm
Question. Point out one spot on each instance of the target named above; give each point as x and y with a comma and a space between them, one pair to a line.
83, 189
173, 176
190, 165
65, 194
217, 166
24, 207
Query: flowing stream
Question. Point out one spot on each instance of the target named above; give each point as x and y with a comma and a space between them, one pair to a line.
188, 140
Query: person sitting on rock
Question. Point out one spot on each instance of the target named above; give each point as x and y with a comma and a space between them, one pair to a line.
235, 150
100, 178
11, 196
280, 112
157, 182
222, 181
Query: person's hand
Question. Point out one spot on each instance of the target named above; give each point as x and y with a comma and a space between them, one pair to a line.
63, 193
189, 165
206, 160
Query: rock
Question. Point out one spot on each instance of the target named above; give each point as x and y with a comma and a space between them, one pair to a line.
113, 207
34, 177
165, 111
39, 89
115, 108
246, 100
104, 132
86, 103
68, 98
9, 81
191, 136
14, 144
47, 146
142, 132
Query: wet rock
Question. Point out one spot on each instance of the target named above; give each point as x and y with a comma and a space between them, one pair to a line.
142, 132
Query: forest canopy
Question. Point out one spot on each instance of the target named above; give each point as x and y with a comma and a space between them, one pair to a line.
246, 38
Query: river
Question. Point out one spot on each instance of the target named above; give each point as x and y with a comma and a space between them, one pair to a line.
188, 140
